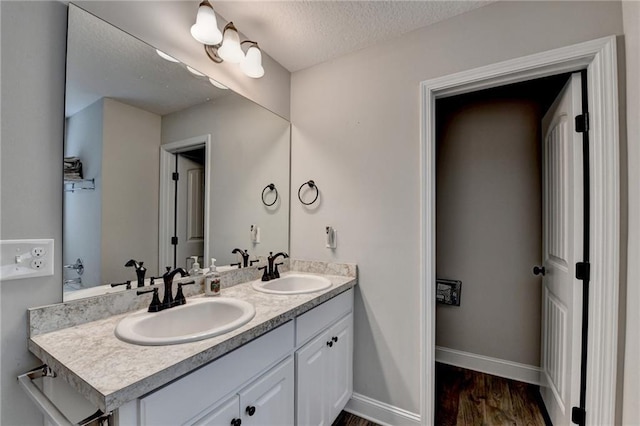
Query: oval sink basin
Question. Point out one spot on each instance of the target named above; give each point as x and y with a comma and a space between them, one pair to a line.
197, 320
292, 284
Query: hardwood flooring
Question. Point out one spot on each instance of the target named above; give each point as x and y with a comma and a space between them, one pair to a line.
470, 398
348, 419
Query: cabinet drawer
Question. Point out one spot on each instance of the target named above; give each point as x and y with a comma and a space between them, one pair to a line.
311, 323
186, 397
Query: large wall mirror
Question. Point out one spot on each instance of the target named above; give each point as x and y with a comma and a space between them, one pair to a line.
133, 120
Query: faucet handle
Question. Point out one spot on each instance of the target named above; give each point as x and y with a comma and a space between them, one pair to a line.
238, 264
276, 273
155, 305
180, 299
128, 284
265, 275
251, 262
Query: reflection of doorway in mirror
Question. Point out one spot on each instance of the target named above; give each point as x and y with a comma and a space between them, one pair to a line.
189, 207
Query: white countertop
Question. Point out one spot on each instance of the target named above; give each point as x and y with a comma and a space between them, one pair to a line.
110, 372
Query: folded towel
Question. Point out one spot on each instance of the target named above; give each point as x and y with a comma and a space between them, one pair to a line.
72, 168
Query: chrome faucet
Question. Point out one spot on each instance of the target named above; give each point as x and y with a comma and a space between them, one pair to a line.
167, 300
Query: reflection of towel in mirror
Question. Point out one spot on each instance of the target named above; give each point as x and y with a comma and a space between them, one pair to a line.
72, 168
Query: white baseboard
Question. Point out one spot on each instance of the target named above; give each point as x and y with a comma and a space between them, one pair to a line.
380, 412
484, 364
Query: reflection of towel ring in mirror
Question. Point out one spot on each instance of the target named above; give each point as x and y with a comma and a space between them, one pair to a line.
312, 185
270, 187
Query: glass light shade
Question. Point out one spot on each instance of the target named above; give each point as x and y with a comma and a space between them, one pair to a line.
205, 30
218, 85
230, 50
165, 56
251, 65
194, 72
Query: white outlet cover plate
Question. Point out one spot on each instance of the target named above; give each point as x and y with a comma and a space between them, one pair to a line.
16, 257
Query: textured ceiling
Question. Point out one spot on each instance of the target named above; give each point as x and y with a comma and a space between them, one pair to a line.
300, 34
103, 61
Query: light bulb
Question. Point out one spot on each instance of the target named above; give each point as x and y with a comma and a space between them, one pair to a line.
230, 50
251, 65
218, 85
165, 56
194, 72
205, 30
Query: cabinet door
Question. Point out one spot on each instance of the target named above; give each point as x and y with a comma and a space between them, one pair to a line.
311, 381
225, 414
269, 400
339, 371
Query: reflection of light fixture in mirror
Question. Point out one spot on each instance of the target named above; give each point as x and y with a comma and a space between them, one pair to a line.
228, 46
218, 85
165, 56
194, 72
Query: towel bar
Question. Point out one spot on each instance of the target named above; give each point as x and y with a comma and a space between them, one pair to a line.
49, 409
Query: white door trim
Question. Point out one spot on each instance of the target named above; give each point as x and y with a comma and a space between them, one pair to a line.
165, 219
599, 58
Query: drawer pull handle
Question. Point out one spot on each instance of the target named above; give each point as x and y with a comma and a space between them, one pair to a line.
330, 343
236, 422
251, 410
335, 338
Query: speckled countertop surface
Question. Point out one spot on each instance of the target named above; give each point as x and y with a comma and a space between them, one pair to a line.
110, 372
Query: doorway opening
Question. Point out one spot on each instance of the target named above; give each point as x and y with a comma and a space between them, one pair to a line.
489, 235
598, 58
188, 207
185, 193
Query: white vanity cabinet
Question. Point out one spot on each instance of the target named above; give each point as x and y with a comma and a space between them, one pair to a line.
267, 401
297, 374
247, 376
324, 365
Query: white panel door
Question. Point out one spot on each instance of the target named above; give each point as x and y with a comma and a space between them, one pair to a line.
269, 400
227, 413
190, 223
562, 248
311, 383
340, 366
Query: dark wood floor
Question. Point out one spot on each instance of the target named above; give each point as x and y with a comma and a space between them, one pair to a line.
470, 398
348, 419
465, 397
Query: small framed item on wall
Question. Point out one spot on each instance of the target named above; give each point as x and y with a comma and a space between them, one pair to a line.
448, 292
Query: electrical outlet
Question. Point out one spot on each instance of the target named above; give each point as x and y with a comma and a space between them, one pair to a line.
26, 259
38, 251
37, 264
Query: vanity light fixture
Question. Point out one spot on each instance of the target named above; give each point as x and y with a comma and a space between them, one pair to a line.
226, 45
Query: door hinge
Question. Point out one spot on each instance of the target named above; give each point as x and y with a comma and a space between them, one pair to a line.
583, 271
174, 241
175, 176
578, 415
582, 123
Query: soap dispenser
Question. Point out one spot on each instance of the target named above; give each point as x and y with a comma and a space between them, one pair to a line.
195, 268
212, 280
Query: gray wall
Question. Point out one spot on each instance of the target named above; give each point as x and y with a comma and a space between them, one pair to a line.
488, 227
250, 150
130, 189
163, 26
356, 123
82, 220
33, 38
631, 15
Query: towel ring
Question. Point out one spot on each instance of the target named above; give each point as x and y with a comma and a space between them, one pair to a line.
312, 185
270, 187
